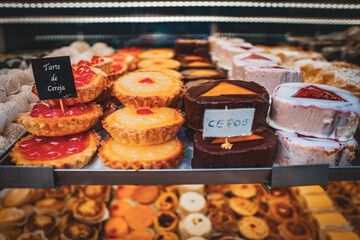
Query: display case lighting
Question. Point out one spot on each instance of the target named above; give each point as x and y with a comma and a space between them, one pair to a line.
180, 4
170, 19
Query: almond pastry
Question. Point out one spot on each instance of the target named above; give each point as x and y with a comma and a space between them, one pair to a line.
166, 221
159, 63
144, 126
18, 196
79, 230
167, 201
253, 228
73, 151
166, 236
243, 206
120, 156
157, 53
42, 222
140, 217
146, 194
148, 89
89, 210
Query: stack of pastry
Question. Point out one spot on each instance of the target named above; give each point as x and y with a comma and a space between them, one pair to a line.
61, 134
143, 132
316, 124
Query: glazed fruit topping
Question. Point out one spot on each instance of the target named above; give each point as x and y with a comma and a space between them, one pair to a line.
45, 111
83, 75
317, 93
84, 62
51, 148
144, 111
117, 57
131, 49
158, 63
96, 60
256, 57
146, 81
116, 67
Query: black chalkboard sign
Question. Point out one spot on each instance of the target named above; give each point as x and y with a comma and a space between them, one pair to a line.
54, 78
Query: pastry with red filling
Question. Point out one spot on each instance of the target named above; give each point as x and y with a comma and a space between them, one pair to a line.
148, 89
144, 126
102, 63
125, 58
131, 50
117, 70
72, 151
51, 121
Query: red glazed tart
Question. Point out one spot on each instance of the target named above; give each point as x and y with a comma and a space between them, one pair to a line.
125, 58
117, 70
131, 50
51, 121
73, 151
102, 63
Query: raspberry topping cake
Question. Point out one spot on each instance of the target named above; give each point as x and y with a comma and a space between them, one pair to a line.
51, 121
144, 126
148, 89
72, 151
315, 110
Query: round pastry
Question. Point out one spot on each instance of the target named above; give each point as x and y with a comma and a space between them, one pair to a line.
50, 206
197, 64
159, 63
355, 223
216, 188
166, 236
66, 219
170, 188
195, 225
224, 220
167, 201
166, 221
10, 217
243, 190
343, 203
225, 236
291, 230
50, 121
217, 202
253, 228
273, 228
333, 187
157, 53
146, 194
89, 83
78, 230
198, 73
140, 217
30, 236
171, 72
144, 126
103, 63
118, 208
125, 58
191, 202
100, 192
17, 197
73, 151
278, 194
117, 70
164, 155
89, 210
243, 206
282, 211
10, 233
199, 188
192, 58
148, 89
71, 203
131, 50
61, 192
42, 222
330, 112
116, 228
139, 234
124, 191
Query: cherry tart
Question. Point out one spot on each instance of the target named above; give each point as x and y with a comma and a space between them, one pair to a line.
144, 126
51, 121
89, 83
148, 89
125, 58
72, 151
103, 63
131, 50
159, 63
157, 53
120, 156
117, 70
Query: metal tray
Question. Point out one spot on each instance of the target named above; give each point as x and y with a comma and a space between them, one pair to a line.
96, 173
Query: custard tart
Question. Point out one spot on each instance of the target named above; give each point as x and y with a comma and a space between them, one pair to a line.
159, 63
157, 53
51, 121
148, 89
121, 156
166, 221
46, 223
100, 192
144, 126
171, 72
89, 210
73, 151
79, 230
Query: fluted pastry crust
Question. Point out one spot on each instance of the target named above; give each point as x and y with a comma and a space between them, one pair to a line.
120, 156
105, 66
166, 221
157, 53
114, 76
89, 210
166, 90
61, 126
78, 230
159, 63
150, 130
78, 160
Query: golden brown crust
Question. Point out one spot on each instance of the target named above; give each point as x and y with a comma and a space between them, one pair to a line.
224, 220
61, 126
282, 211
150, 136
79, 231
105, 66
50, 205
167, 201
18, 196
89, 210
43, 222
165, 98
166, 221
11, 215
159, 64
170, 72
157, 53
100, 192
295, 230
163, 159
166, 236
114, 76
253, 228
78, 160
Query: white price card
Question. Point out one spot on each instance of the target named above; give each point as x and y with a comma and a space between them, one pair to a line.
228, 122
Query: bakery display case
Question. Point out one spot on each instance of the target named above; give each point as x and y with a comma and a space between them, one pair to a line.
37, 29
